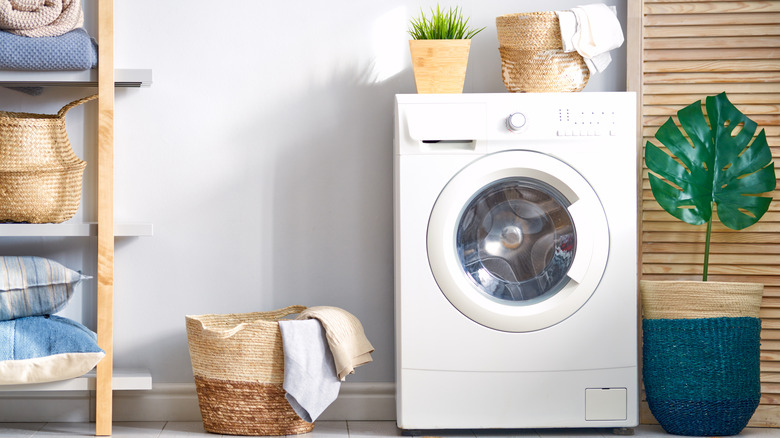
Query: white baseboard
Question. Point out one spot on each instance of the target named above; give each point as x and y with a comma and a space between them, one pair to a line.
179, 402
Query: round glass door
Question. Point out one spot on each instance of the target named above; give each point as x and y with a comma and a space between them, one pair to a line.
518, 241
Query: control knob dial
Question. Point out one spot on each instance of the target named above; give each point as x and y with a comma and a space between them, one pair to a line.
515, 122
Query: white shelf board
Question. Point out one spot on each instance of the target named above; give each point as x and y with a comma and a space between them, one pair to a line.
74, 230
123, 380
84, 78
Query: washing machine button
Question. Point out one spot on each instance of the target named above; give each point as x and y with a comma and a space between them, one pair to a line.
515, 121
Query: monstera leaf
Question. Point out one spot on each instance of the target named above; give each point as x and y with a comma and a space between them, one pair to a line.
715, 165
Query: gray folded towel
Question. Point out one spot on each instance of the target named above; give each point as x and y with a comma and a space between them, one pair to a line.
309, 371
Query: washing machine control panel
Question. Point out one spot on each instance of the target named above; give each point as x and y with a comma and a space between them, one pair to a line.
550, 121
586, 122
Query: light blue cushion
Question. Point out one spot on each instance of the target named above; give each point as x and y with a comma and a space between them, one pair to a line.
31, 286
39, 349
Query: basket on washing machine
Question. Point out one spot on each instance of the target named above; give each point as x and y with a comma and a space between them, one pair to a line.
238, 363
532, 56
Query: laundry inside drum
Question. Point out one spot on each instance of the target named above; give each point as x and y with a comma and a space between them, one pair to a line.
516, 240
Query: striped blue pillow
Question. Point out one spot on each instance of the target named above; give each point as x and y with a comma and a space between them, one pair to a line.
31, 286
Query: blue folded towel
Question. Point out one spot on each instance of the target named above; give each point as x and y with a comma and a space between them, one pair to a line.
72, 51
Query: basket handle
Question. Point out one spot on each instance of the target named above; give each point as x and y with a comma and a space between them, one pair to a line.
281, 313
66, 108
272, 315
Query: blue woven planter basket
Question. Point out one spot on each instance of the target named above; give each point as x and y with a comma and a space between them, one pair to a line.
701, 376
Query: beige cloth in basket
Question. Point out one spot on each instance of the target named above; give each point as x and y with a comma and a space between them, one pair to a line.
40, 18
345, 335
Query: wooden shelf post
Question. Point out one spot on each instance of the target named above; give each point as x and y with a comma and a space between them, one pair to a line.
105, 205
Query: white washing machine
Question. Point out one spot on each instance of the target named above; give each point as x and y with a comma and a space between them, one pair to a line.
516, 261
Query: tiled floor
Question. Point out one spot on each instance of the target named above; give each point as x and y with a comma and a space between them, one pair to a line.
322, 429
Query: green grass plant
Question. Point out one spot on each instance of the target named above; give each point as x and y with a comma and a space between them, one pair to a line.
442, 25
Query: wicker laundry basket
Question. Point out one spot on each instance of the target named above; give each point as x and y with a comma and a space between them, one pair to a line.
238, 363
40, 176
532, 56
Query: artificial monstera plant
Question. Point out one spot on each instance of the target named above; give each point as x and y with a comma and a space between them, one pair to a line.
718, 165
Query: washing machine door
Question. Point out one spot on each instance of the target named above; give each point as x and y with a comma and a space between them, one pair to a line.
518, 241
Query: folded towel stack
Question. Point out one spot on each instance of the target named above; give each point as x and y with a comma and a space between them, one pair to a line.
40, 18
321, 347
44, 35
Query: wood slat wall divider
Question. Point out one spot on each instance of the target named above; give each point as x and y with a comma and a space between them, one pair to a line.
678, 52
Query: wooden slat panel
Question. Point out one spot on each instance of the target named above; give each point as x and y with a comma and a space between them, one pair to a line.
653, 110
740, 237
708, 89
711, 7
653, 206
682, 227
710, 54
762, 120
752, 65
711, 78
734, 42
714, 31
715, 248
647, 199
690, 50
715, 259
769, 313
680, 100
744, 270
770, 377
772, 356
710, 19
662, 215
772, 133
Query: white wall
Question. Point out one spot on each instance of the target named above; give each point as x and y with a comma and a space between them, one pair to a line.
262, 153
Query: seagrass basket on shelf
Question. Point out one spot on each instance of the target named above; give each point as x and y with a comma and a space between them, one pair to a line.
40, 175
532, 56
238, 363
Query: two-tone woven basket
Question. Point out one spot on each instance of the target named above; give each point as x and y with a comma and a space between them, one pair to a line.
238, 363
40, 175
701, 353
532, 56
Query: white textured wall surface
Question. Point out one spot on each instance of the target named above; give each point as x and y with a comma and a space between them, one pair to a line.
262, 154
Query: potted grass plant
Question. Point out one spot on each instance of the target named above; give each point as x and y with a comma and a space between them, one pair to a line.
701, 338
440, 47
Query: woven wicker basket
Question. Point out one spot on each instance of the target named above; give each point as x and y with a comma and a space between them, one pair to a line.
700, 299
701, 354
40, 176
532, 57
238, 363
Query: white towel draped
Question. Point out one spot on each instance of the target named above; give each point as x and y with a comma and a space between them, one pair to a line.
592, 31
